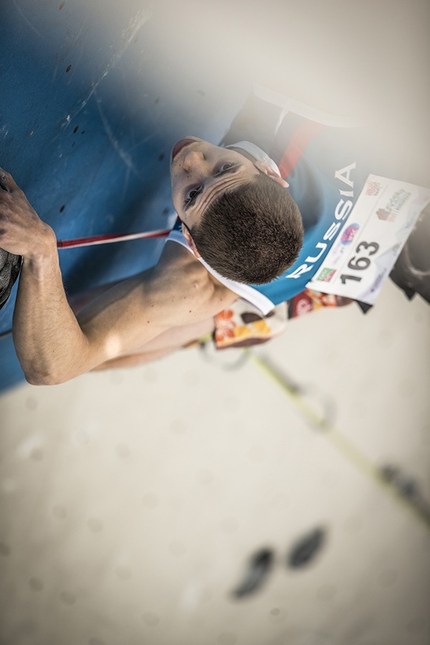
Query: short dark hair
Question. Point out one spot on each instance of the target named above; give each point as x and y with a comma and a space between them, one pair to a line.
252, 234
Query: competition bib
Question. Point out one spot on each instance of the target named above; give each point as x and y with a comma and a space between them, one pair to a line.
371, 239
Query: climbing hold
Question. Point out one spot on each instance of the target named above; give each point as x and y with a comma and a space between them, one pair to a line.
258, 569
10, 266
306, 548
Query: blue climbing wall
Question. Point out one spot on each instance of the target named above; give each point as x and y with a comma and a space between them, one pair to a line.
91, 103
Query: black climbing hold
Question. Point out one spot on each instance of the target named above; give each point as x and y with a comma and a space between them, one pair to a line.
305, 549
10, 266
258, 569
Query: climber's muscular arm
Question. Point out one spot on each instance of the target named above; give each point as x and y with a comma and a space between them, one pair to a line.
53, 345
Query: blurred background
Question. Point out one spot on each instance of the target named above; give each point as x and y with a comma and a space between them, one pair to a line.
167, 504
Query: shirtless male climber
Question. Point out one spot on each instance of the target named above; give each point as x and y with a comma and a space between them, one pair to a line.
235, 213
